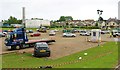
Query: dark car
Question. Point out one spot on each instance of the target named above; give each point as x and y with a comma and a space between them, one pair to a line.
41, 49
74, 30
5, 30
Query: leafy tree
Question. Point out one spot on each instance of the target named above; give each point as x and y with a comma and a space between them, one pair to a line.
65, 18
68, 18
100, 19
62, 18
96, 24
12, 20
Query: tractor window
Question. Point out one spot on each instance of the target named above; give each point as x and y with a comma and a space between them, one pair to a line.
8, 36
19, 35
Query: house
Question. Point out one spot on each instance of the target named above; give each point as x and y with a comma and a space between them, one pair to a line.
36, 23
75, 22
112, 23
101, 24
89, 22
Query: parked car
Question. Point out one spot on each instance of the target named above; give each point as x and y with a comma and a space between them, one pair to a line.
2, 34
118, 33
85, 33
35, 34
5, 31
52, 33
114, 33
29, 31
42, 29
74, 30
41, 49
68, 34
56, 30
105, 32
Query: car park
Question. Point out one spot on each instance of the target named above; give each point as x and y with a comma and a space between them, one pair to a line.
52, 33
68, 34
41, 49
85, 33
35, 34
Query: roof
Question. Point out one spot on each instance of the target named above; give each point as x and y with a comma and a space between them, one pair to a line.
113, 19
89, 20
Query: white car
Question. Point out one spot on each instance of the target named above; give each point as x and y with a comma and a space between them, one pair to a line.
56, 30
85, 33
69, 34
118, 33
52, 33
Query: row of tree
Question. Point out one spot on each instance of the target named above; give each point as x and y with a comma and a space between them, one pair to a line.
64, 18
12, 20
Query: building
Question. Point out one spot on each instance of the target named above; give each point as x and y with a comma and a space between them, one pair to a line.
112, 23
17, 25
88, 22
36, 23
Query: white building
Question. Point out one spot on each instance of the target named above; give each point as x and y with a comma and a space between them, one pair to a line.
95, 35
36, 23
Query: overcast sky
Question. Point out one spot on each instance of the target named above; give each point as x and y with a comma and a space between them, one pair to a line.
53, 9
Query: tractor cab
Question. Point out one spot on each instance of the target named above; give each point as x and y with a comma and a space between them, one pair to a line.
16, 37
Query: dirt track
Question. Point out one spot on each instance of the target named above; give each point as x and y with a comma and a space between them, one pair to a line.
62, 46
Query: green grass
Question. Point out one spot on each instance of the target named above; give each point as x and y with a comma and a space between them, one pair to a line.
105, 56
0, 61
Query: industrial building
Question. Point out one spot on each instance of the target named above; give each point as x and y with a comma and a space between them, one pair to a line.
36, 23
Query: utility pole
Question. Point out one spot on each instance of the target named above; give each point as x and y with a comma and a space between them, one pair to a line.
99, 12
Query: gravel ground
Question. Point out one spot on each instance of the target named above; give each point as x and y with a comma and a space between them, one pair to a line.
63, 46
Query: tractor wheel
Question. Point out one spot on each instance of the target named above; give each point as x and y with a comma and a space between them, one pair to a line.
17, 47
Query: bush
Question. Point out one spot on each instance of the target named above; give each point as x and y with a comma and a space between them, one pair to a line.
90, 27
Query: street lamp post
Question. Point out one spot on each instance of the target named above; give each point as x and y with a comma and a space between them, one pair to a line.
99, 12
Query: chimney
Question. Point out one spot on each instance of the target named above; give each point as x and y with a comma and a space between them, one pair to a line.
23, 16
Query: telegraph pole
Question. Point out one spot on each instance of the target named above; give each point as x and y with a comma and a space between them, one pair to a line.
99, 12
